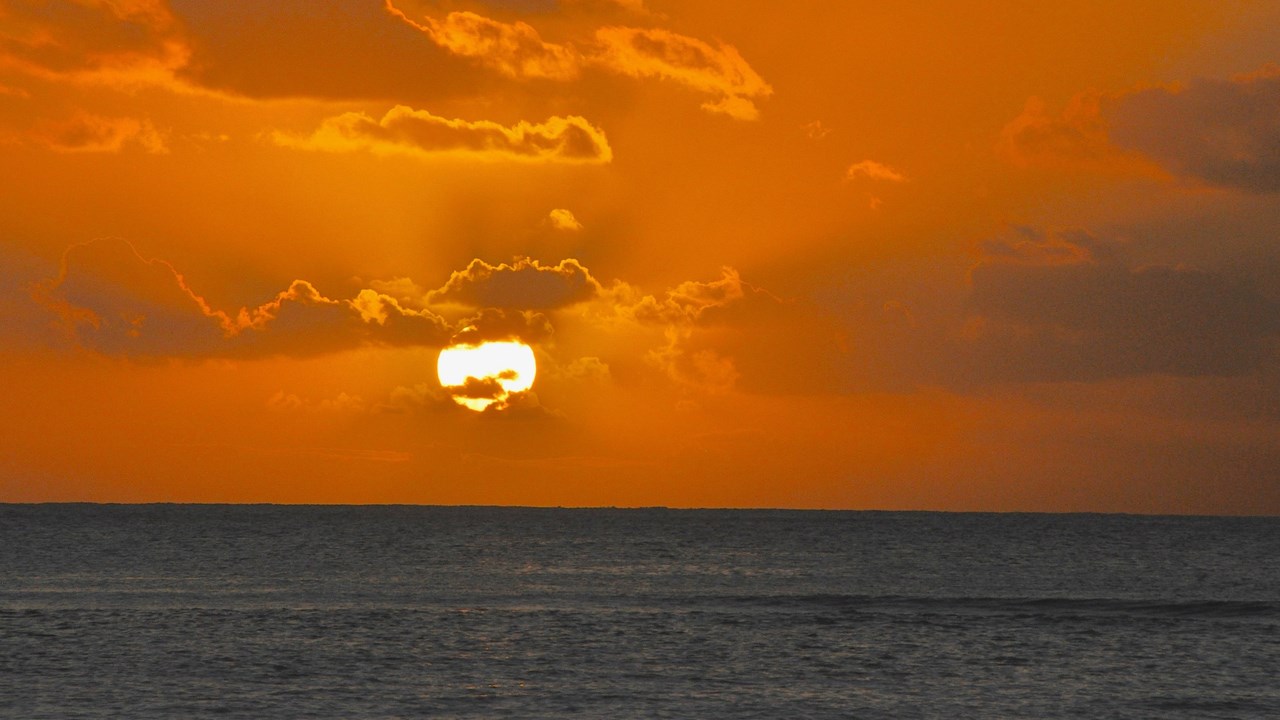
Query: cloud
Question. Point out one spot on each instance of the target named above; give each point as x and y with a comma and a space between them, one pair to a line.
562, 219
430, 397
1224, 133
497, 324
422, 397
343, 402
1030, 247
1050, 307
727, 334
512, 49
112, 300
524, 284
718, 70
584, 368
94, 134
403, 289
815, 130
523, 405
636, 7
124, 44
687, 301
230, 40
396, 324
873, 170
703, 330
418, 133
703, 370
704, 336
474, 388
517, 50
1075, 137
23, 323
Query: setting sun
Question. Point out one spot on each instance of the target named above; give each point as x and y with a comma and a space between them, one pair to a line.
480, 375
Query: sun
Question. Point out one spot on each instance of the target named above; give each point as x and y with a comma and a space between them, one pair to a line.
480, 375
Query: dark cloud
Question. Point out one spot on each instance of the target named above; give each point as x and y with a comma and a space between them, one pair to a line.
23, 322
1097, 317
764, 344
498, 324
118, 43
1224, 132
229, 39
92, 133
1075, 137
396, 324
520, 406
475, 388
112, 300
426, 397
523, 284
728, 334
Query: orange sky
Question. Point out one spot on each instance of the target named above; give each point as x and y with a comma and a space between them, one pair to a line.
932, 255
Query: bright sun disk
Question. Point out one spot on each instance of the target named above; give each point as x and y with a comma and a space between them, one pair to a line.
509, 363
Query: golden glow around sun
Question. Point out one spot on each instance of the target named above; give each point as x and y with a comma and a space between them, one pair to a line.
480, 375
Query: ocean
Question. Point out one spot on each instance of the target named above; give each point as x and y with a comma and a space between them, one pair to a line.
204, 611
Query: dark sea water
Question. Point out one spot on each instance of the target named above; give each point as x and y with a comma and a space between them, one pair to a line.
170, 611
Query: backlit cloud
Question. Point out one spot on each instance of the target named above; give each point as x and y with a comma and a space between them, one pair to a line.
715, 69
418, 133
112, 300
498, 325
513, 49
523, 284
517, 50
686, 302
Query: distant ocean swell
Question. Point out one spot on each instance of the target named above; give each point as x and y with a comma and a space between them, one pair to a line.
153, 613
1050, 605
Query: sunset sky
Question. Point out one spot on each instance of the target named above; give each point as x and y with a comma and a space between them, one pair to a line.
925, 255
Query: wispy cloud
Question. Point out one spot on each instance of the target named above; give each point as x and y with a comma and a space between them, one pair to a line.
517, 50
872, 170
96, 134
